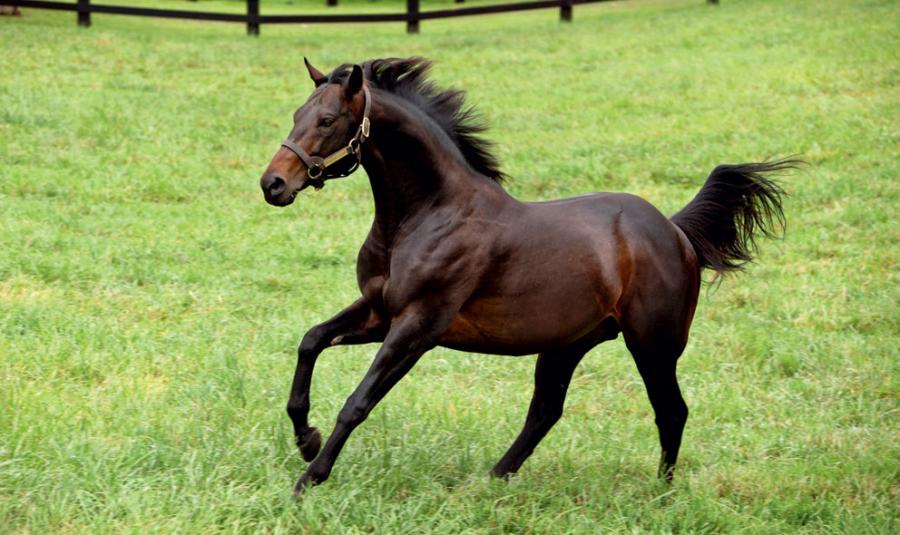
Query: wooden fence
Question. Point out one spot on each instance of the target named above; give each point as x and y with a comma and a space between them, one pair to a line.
253, 19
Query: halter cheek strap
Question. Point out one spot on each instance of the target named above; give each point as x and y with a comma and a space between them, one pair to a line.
317, 167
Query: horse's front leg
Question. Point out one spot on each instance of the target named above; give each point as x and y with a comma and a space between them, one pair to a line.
410, 336
356, 324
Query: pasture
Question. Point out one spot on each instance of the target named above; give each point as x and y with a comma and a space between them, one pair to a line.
151, 301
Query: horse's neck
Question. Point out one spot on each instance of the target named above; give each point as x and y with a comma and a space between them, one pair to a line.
411, 169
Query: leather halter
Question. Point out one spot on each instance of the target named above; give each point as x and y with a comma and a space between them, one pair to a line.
317, 166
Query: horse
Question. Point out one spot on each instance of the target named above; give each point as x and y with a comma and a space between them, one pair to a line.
453, 260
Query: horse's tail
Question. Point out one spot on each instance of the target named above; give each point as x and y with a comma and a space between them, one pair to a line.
736, 204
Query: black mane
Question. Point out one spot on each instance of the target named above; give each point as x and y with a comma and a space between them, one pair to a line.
407, 79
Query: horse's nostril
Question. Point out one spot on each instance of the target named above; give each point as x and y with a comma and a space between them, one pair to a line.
277, 185
274, 184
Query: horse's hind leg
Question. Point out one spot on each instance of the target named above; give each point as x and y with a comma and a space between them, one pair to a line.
552, 374
656, 358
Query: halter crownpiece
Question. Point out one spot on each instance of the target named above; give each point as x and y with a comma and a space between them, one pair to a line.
317, 166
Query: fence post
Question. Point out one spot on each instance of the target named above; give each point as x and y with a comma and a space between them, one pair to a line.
565, 10
84, 13
412, 16
252, 17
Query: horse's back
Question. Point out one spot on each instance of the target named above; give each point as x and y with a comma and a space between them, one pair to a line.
635, 226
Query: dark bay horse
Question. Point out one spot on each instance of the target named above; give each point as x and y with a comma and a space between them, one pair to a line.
453, 260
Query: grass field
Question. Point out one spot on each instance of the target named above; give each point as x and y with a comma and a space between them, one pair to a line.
151, 302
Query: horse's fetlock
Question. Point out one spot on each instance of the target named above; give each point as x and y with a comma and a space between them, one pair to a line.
309, 442
297, 407
316, 474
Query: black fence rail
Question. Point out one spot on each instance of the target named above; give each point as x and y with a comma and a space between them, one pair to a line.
253, 19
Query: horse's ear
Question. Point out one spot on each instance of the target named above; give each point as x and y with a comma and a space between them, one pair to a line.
355, 81
317, 77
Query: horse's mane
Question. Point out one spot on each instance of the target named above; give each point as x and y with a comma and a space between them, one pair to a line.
407, 79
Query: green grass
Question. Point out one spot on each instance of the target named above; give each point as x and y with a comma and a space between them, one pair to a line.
151, 302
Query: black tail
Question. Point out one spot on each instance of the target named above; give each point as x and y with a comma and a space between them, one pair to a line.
736, 203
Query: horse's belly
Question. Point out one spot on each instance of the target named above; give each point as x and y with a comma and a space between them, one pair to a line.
540, 322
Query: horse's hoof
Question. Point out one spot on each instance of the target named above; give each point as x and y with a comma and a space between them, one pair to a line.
310, 444
505, 475
301, 486
306, 481
666, 472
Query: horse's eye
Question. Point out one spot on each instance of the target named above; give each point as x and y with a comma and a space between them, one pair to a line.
326, 121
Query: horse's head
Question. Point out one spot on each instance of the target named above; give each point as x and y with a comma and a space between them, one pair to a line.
325, 140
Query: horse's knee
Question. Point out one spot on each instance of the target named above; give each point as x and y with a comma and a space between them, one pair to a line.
311, 344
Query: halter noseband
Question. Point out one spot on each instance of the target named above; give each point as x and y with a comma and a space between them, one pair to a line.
317, 167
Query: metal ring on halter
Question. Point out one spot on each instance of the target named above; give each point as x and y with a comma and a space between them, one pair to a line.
318, 168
